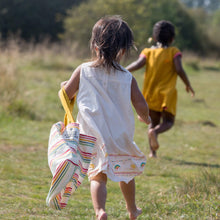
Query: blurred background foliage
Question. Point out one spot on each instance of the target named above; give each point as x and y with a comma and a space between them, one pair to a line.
197, 22
33, 19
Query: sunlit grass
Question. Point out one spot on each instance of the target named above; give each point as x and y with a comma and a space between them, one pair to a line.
182, 183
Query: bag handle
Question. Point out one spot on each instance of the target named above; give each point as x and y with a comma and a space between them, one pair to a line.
67, 105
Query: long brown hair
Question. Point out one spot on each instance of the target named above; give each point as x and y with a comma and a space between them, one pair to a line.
110, 37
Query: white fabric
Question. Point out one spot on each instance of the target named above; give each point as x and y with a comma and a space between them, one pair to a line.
105, 112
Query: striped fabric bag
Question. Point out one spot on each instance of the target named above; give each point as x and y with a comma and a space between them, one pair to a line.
69, 156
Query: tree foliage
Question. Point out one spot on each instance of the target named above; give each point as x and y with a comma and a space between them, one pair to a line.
215, 30
208, 5
73, 20
141, 15
33, 18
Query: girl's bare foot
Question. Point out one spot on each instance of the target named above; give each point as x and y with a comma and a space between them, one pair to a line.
102, 215
140, 119
153, 154
153, 140
134, 215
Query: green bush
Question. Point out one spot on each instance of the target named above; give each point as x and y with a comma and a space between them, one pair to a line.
141, 16
33, 18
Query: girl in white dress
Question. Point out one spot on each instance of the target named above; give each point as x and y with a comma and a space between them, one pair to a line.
105, 92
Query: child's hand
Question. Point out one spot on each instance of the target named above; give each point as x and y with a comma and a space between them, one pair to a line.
190, 89
147, 121
63, 83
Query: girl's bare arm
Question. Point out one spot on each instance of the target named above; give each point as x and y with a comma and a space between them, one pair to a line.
140, 62
180, 71
139, 102
72, 85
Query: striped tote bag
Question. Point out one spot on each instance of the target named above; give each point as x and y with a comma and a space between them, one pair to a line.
69, 156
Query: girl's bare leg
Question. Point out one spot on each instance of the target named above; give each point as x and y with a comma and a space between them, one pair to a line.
99, 194
152, 135
128, 191
167, 123
156, 128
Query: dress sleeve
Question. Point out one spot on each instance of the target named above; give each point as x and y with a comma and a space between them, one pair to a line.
144, 53
176, 52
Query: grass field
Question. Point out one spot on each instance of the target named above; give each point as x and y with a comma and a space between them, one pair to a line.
182, 183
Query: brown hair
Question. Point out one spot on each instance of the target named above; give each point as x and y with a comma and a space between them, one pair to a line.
164, 32
110, 36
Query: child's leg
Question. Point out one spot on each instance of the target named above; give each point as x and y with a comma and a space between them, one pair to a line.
128, 191
99, 194
152, 135
157, 128
167, 123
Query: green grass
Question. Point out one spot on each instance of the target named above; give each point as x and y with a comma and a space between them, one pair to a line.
182, 183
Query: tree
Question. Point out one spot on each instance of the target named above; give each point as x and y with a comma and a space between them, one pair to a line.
215, 28
33, 18
140, 15
208, 5
207, 17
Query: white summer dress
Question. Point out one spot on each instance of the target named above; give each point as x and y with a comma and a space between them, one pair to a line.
105, 112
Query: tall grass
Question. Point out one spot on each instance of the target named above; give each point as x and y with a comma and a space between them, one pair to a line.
182, 183
26, 69
204, 185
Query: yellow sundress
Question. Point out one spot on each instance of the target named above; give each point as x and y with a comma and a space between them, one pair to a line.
159, 87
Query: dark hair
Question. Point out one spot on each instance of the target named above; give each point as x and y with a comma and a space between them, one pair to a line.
110, 35
164, 32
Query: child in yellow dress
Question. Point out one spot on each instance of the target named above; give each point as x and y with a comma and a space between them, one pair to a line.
162, 66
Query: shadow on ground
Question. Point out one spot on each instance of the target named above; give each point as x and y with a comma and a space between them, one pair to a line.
189, 163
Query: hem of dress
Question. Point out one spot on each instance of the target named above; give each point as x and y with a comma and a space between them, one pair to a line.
162, 109
116, 178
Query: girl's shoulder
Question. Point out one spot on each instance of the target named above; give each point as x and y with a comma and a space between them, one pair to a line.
160, 52
155, 48
152, 49
87, 69
173, 48
87, 64
164, 50
174, 51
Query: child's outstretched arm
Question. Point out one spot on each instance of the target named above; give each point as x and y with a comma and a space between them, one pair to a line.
139, 102
140, 62
180, 71
72, 85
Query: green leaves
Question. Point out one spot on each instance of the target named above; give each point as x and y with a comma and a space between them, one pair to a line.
140, 15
